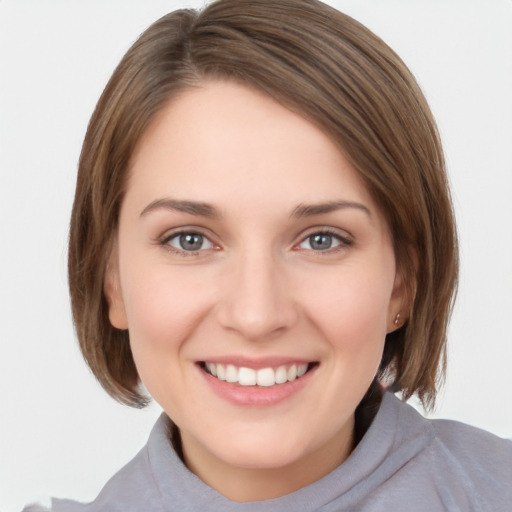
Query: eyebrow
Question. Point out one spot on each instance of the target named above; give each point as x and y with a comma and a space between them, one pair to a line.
190, 207
207, 210
308, 210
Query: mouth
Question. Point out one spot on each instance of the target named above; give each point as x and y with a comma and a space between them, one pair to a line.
261, 377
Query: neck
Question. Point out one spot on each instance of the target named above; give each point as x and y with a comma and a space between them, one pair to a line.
243, 484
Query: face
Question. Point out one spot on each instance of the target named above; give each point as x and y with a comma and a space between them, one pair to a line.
257, 279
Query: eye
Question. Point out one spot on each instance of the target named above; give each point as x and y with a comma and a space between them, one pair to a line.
188, 242
323, 241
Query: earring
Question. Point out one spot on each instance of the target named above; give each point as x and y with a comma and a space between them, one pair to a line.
397, 318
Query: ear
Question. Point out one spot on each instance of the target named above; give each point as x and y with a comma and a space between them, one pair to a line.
113, 293
403, 294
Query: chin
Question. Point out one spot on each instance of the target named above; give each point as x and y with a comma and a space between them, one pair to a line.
261, 455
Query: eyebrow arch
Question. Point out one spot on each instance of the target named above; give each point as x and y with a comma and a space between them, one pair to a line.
191, 207
307, 210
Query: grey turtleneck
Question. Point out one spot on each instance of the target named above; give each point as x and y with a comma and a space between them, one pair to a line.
403, 463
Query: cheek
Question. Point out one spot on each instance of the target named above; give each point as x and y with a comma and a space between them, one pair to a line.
349, 314
163, 311
163, 308
352, 313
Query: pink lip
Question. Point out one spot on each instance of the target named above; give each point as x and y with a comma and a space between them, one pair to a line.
255, 395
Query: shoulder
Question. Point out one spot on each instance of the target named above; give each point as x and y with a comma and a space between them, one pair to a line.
131, 489
476, 452
471, 449
37, 507
119, 494
472, 461
463, 467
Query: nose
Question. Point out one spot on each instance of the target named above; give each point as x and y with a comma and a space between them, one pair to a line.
256, 301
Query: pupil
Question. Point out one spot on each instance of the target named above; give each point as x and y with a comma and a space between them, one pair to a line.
191, 241
320, 242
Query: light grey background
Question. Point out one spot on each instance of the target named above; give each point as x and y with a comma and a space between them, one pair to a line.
59, 433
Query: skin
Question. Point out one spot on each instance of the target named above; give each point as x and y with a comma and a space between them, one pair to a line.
256, 288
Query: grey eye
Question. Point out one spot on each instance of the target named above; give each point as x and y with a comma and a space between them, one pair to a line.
320, 242
190, 242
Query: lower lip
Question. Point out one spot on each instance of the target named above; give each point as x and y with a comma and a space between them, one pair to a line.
256, 395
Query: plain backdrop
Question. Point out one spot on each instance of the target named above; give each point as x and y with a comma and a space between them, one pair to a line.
60, 434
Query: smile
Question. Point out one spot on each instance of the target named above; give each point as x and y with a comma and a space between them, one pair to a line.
263, 377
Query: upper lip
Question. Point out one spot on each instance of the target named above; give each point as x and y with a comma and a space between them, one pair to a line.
256, 363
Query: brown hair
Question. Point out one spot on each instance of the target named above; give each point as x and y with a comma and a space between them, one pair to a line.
336, 73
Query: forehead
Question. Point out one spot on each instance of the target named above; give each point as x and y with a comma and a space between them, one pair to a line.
221, 142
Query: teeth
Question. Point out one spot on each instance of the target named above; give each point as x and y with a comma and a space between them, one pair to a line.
221, 372
264, 377
231, 373
246, 377
301, 369
212, 368
281, 375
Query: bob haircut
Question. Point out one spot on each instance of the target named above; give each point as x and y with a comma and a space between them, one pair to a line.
334, 72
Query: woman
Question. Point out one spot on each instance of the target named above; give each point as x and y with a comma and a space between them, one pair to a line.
263, 236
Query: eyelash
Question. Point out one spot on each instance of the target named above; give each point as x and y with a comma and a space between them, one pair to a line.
343, 241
